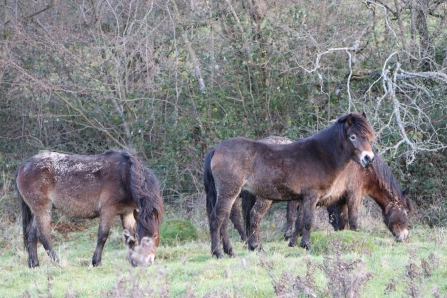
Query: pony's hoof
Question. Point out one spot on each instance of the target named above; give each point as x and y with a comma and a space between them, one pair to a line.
218, 255
230, 252
291, 243
96, 264
305, 245
33, 264
254, 246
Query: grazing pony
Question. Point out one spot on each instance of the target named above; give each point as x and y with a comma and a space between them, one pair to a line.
87, 187
304, 170
354, 183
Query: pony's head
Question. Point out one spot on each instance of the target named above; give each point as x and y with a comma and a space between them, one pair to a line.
145, 190
142, 254
359, 133
147, 224
395, 216
142, 247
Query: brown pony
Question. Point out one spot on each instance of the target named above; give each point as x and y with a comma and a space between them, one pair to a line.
353, 184
304, 170
377, 182
87, 187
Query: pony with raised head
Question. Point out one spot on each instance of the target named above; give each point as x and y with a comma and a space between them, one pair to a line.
112, 183
304, 170
354, 183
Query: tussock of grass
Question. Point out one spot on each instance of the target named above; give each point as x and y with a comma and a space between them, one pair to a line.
349, 241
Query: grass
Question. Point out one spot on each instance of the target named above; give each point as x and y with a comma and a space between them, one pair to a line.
369, 259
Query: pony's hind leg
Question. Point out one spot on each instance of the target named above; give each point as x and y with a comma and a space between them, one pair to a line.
215, 227
227, 247
236, 219
256, 215
43, 222
218, 217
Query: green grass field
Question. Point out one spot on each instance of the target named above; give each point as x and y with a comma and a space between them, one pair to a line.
344, 264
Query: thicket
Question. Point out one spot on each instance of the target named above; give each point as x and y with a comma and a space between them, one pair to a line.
171, 79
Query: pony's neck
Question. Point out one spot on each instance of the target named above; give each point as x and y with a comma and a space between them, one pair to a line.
382, 194
381, 197
333, 141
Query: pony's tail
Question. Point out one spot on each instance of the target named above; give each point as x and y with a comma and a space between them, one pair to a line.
27, 215
208, 182
248, 201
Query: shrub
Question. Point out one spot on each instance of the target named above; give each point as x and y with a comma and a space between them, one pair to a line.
177, 231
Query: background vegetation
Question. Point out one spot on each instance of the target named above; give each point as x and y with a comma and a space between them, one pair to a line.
171, 79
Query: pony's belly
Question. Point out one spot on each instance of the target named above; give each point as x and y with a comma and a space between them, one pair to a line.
77, 207
79, 211
273, 192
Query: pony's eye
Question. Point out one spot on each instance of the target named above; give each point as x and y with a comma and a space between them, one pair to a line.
353, 137
155, 236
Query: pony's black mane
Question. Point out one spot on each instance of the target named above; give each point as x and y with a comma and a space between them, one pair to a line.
386, 179
144, 187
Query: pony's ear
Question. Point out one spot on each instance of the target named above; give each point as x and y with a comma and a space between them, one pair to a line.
407, 200
347, 119
364, 115
135, 214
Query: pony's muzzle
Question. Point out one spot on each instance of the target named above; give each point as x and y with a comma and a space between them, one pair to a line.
142, 254
402, 236
366, 159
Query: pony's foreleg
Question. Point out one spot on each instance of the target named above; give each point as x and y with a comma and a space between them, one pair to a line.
105, 222
128, 221
338, 215
298, 226
353, 211
292, 208
256, 215
309, 205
